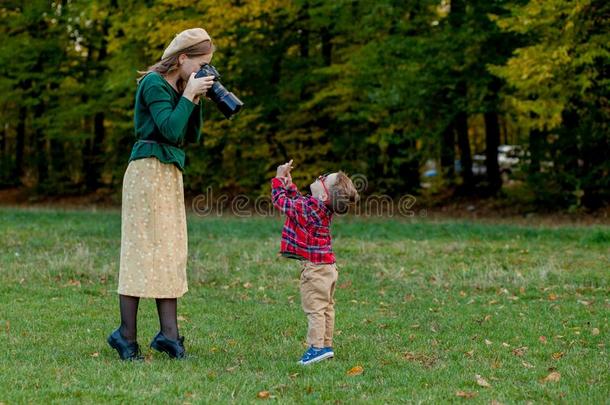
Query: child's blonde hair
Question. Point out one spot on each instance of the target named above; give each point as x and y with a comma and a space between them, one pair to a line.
343, 194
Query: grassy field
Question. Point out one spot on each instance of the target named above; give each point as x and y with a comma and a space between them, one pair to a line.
423, 307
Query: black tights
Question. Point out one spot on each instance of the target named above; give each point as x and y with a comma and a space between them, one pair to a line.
166, 308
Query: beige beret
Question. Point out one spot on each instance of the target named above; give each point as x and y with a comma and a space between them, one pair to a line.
184, 40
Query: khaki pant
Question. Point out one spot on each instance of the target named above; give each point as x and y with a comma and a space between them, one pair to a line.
317, 292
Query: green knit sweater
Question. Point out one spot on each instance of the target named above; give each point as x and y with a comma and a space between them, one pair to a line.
164, 121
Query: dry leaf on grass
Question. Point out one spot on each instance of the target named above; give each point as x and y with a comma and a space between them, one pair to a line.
263, 395
423, 359
553, 377
526, 364
542, 339
558, 355
356, 370
520, 351
488, 342
73, 283
481, 381
465, 394
595, 332
96, 354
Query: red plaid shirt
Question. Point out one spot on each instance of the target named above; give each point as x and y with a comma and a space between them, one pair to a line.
306, 232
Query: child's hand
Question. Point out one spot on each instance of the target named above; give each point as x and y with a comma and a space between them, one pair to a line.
283, 172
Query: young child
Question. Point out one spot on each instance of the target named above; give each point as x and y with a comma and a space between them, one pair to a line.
306, 236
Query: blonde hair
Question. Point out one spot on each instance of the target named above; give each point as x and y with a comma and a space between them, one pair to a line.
170, 64
343, 194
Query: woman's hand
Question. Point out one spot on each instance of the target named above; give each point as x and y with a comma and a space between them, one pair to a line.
195, 87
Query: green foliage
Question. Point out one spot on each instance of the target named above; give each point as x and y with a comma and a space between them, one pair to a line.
560, 87
375, 88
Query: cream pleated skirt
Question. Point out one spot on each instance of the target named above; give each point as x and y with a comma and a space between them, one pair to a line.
153, 231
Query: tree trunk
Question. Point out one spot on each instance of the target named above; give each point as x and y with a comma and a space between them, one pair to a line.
40, 142
461, 127
20, 144
492, 141
327, 46
535, 141
448, 154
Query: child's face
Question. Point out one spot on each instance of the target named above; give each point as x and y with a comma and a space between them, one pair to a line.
319, 188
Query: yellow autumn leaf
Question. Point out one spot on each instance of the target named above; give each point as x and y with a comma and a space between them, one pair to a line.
465, 394
557, 355
356, 370
263, 395
553, 377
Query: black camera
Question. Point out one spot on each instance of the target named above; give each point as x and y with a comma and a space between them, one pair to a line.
227, 102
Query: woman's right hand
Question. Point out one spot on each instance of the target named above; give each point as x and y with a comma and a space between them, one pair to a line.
196, 87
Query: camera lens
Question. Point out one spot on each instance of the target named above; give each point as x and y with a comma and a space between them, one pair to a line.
227, 102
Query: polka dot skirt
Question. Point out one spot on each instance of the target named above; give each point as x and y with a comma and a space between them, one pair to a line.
153, 231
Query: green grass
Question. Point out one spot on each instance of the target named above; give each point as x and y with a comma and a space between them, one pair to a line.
416, 302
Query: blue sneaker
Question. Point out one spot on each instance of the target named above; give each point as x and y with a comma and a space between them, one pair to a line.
329, 349
314, 355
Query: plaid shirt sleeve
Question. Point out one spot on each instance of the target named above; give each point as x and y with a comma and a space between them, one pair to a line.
289, 201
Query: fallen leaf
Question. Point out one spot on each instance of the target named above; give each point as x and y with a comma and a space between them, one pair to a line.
181, 318
505, 344
553, 377
557, 355
249, 285
487, 317
520, 351
293, 375
482, 382
583, 302
494, 402
526, 364
462, 293
73, 283
488, 342
96, 354
595, 332
356, 370
263, 395
464, 394
423, 359
469, 353
552, 297
542, 339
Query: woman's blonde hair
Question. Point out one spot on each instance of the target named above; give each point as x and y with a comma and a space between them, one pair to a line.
343, 194
169, 64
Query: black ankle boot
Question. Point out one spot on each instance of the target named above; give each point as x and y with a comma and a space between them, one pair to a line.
127, 350
174, 348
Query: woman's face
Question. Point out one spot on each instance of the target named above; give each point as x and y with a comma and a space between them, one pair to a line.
192, 64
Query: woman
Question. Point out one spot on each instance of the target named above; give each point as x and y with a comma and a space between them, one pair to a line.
153, 219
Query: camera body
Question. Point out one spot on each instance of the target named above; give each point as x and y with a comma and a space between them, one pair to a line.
227, 102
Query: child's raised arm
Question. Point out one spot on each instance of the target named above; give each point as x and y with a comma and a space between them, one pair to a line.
285, 196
